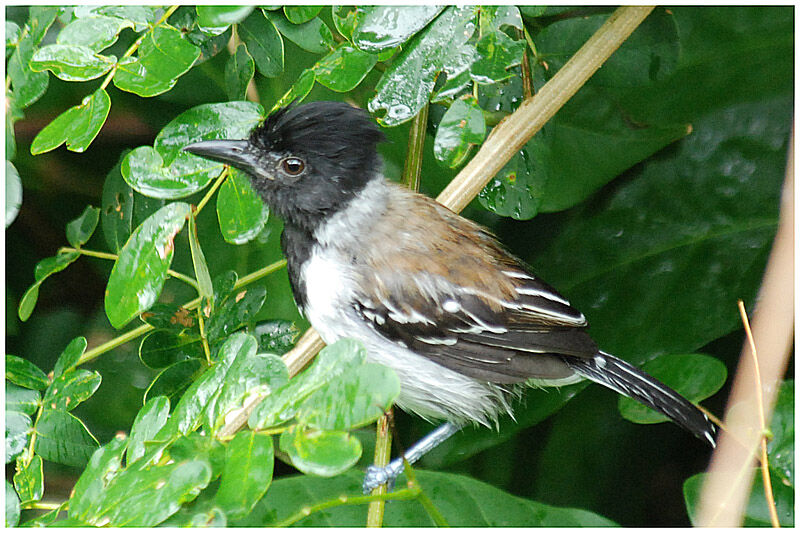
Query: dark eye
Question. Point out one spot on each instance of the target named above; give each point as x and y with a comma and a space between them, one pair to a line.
293, 166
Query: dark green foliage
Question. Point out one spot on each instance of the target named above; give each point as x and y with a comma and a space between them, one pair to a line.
650, 201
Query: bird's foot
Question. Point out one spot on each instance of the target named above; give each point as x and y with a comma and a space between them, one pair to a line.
381, 475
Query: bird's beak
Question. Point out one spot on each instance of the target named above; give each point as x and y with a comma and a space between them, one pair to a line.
235, 153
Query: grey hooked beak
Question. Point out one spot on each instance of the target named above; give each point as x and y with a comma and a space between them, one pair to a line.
235, 153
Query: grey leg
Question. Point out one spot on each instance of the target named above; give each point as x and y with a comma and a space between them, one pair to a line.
377, 475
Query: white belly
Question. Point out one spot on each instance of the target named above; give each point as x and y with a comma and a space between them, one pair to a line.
427, 389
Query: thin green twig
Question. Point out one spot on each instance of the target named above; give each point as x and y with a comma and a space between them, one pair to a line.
212, 190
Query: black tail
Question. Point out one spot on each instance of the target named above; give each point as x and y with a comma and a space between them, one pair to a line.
628, 380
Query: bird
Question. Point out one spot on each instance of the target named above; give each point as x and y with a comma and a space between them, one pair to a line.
464, 324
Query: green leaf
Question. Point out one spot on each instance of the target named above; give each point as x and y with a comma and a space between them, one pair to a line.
188, 412
332, 361
144, 498
319, 452
264, 43
142, 17
694, 376
498, 52
64, 439
160, 349
163, 57
175, 379
462, 500
70, 356
28, 85
379, 28
408, 82
149, 420
780, 448
298, 91
44, 269
70, 62
80, 230
517, 190
496, 17
139, 272
240, 211
235, 312
301, 14
275, 336
29, 480
12, 36
104, 465
95, 32
199, 446
40, 19
48, 518
25, 374
461, 127
77, 126
217, 16
21, 399
313, 35
144, 168
13, 193
12, 506
205, 289
239, 70
756, 513
116, 215
71, 388
344, 68
250, 374
18, 426
247, 473
169, 317
351, 400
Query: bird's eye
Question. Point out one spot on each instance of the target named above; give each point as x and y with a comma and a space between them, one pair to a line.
293, 166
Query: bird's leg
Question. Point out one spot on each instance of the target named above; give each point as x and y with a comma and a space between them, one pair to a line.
378, 475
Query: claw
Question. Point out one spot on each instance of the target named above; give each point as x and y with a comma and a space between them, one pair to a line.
377, 476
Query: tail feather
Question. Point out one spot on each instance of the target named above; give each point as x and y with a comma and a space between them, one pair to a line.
628, 380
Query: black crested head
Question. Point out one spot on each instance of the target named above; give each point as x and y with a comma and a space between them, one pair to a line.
313, 158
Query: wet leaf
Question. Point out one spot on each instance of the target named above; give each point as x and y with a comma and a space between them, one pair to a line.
351, 400
70, 62
169, 317
163, 57
321, 453
12, 36
497, 53
139, 272
202, 447
64, 439
235, 312
298, 91
408, 82
239, 70
275, 336
28, 85
344, 68
780, 448
80, 230
341, 357
301, 14
18, 426
95, 32
461, 127
240, 211
71, 388
21, 399
247, 473
149, 420
70, 356
517, 190
205, 290
104, 465
263, 42
695, 376
13, 193
173, 380
160, 349
29, 480
116, 215
141, 16
379, 28
44, 269
25, 374
165, 171
313, 35
12, 506
77, 126
216, 16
